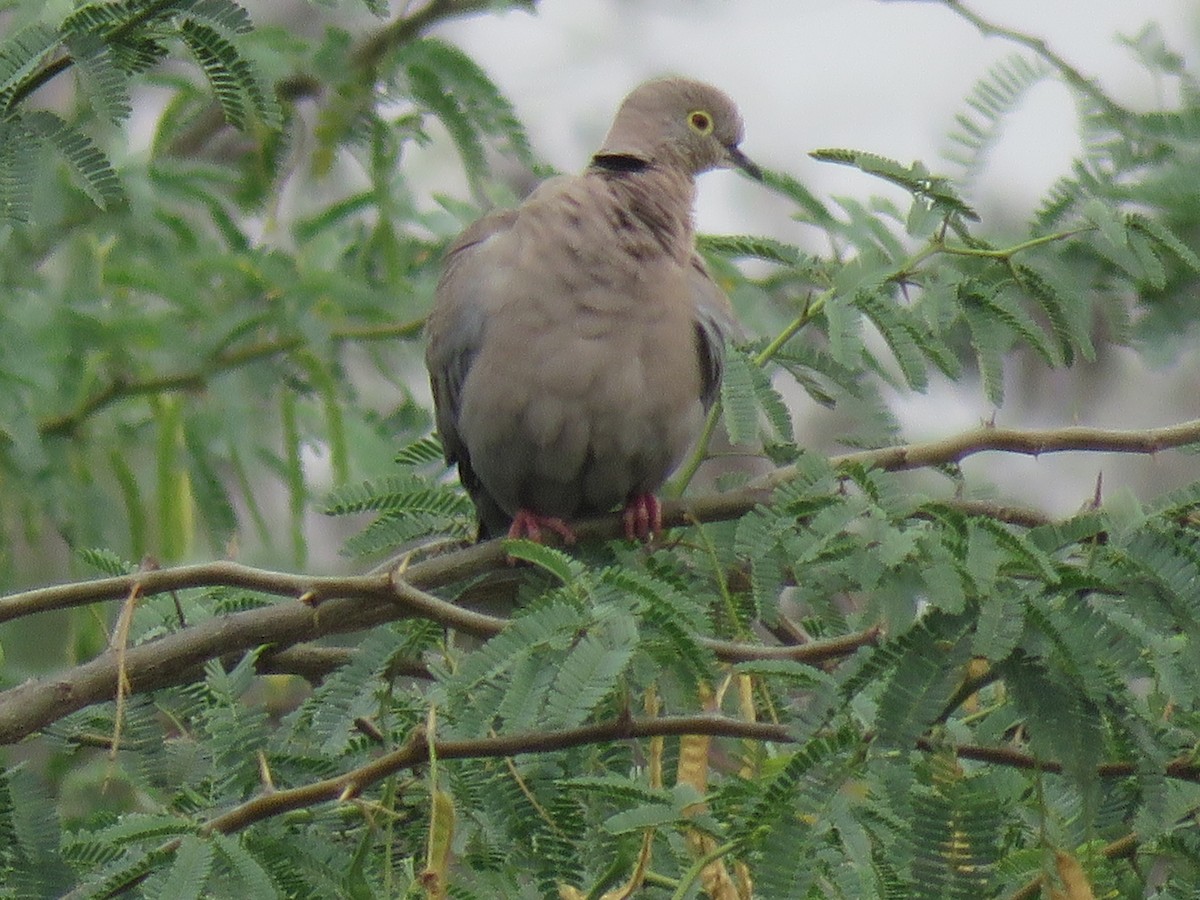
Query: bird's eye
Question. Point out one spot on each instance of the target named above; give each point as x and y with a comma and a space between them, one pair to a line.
700, 122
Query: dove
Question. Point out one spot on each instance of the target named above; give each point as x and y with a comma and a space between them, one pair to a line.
576, 342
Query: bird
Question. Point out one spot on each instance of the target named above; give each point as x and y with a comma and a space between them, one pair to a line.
576, 342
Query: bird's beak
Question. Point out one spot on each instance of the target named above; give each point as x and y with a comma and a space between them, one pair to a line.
738, 160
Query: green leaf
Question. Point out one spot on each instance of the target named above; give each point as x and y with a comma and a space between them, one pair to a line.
428, 90
901, 335
1001, 623
233, 79
1070, 326
1002, 305
90, 166
1162, 235
751, 246
658, 815
989, 340
108, 19
103, 83
21, 53
927, 666
843, 323
425, 450
1069, 729
915, 179
738, 400
254, 879
189, 871
991, 100
550, 559
617, 787
1056, 536
1020, 549
223, 14
293, 474
207, 489
791, 187
106, 561
335, 427
172, 484
480, 100
777, 416
590, 671
18, 169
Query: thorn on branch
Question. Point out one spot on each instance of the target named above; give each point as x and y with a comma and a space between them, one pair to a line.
365, 726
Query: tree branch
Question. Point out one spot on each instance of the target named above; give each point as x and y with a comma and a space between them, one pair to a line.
1033, 442
402, 30
416, 751
1184, 768
198, 378
335, 605
345, 604
1070, 74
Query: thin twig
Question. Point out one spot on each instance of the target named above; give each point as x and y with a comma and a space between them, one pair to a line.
225, 361
1070, 74
1031, 442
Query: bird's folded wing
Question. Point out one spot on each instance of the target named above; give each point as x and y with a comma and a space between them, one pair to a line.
455, 328
715, 325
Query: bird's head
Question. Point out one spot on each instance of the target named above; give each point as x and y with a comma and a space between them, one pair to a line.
677, 122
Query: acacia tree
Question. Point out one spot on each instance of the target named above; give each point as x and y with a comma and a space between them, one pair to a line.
828, 680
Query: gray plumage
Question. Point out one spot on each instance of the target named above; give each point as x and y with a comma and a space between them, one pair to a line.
577, 341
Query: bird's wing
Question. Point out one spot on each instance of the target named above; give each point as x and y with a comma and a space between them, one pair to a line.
454, 334
715, 325
454, 331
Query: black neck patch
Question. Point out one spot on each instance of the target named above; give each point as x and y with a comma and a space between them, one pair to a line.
618, 162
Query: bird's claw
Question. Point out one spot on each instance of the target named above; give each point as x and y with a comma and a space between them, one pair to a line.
527, 524
642, 517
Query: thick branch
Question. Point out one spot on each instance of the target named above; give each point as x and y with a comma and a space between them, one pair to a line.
349, 604
416, 752
952, 449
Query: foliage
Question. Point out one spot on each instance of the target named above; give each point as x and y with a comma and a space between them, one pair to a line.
1007, 702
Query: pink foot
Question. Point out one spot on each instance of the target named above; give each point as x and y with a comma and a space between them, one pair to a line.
642, 517
528, 524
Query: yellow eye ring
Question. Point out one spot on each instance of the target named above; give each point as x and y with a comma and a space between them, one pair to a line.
700, 122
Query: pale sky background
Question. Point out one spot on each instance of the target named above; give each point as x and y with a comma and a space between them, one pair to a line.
885, 77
